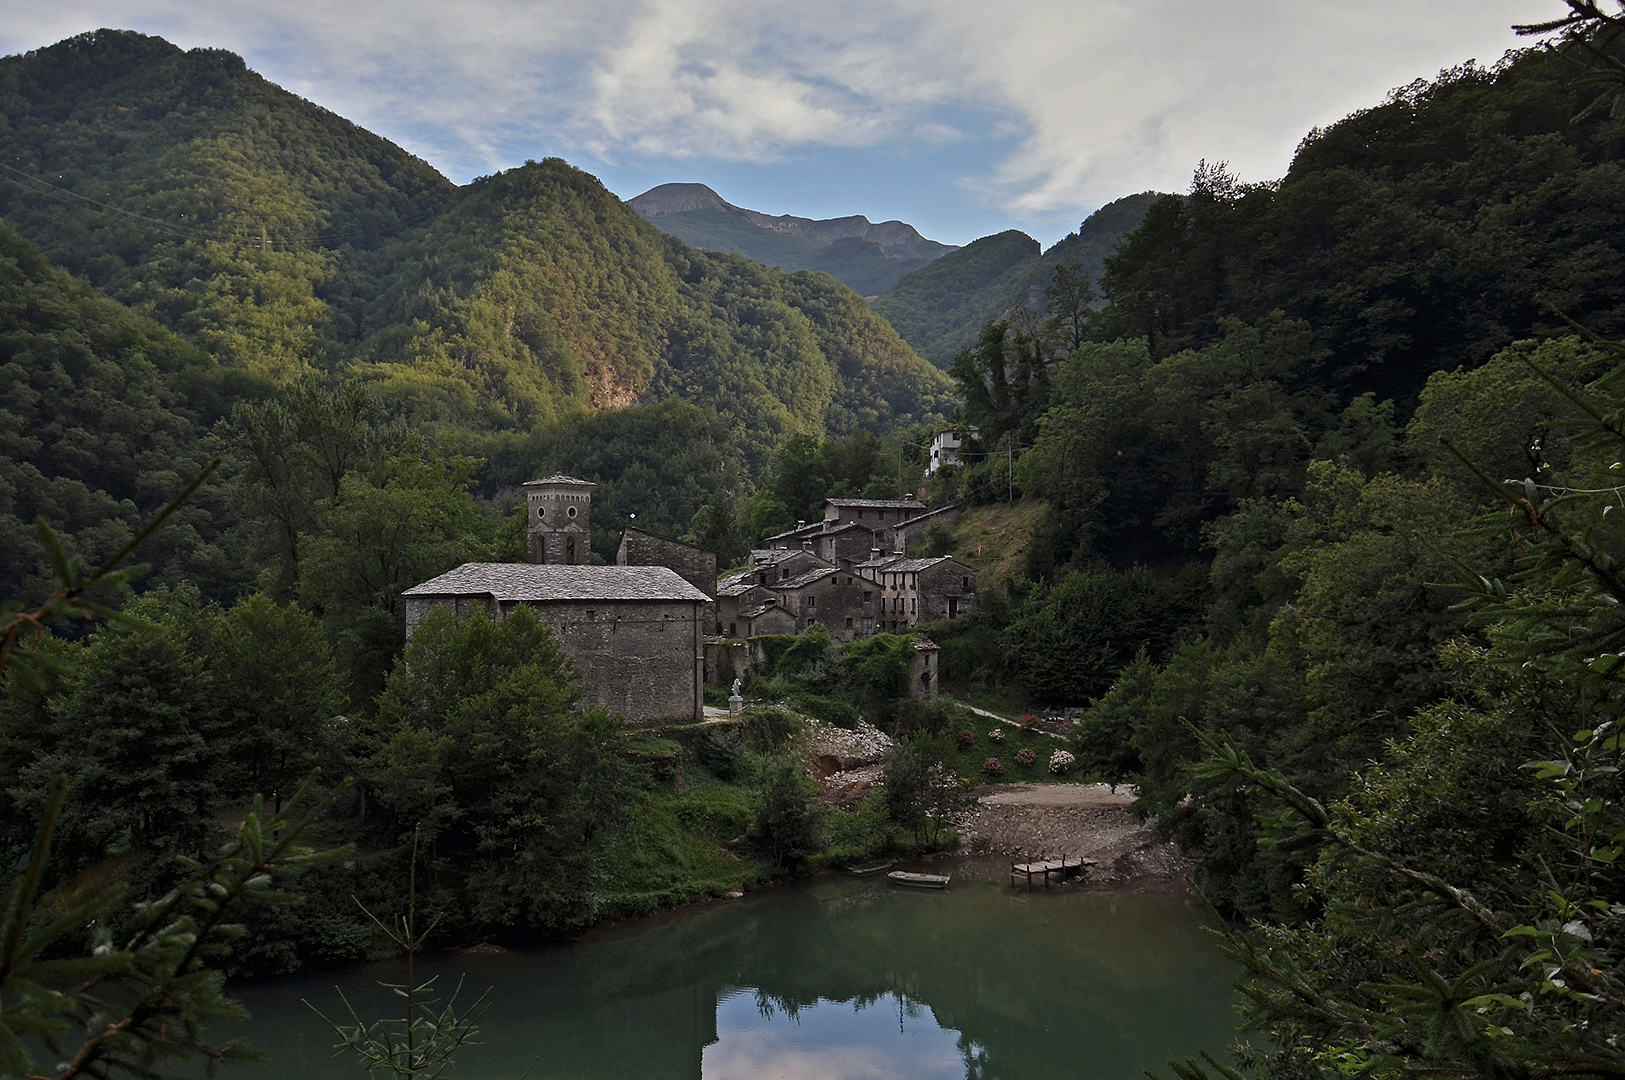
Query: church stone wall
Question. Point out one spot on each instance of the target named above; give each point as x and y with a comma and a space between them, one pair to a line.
644, 658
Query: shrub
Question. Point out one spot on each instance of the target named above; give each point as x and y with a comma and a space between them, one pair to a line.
996, 735
1025, 757
1060, 761
967, 739
993, 767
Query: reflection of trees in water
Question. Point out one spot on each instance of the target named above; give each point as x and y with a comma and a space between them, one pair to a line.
1024, 983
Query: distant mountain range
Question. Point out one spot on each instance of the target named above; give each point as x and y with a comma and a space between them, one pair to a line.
939, 307
864, 255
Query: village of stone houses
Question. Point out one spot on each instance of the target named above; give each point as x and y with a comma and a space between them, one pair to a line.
650, 632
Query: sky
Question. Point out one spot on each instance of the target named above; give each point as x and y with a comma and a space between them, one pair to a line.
960, 117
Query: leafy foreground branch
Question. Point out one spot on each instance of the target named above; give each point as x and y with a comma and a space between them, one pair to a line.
136, 1006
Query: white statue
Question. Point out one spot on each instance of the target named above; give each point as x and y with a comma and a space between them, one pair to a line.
735, 691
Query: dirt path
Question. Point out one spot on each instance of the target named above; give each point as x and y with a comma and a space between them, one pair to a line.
1088, 820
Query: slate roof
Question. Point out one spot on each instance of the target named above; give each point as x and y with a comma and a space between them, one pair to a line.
531, 582
878, 504
757, 612
763, 556
914, 566
558, 478
802, 532
804, 579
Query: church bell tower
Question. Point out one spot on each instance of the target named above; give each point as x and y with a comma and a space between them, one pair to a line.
558, 516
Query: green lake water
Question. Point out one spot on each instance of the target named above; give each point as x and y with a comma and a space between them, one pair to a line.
835, 979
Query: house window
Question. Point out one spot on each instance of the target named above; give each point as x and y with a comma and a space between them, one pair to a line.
868, 626
849, 622
914, 605
812, 602
868, 596
964, 584
733, 629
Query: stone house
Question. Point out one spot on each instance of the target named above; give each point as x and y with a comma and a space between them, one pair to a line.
842, 600
736, 597
774, 565
920, 590
636, 632
871, 513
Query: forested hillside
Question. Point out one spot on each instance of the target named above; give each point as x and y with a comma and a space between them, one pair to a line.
288, 245
939, 308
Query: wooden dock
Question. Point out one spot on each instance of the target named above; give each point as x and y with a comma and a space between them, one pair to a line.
1061, 869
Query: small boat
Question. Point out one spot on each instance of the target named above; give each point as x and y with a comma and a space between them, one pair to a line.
870, 868
918, 881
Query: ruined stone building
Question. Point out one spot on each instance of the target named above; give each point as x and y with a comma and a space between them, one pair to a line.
637, 633
693, 564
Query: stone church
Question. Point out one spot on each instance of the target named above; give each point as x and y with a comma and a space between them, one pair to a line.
636, 632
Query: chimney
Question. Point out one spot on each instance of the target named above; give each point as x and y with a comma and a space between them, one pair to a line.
874, 553
801, 524
806, 545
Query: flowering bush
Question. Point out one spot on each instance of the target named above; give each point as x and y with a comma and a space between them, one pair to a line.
1028, 721
996, 735
966, 739
993, 767
1025, 757
1060, 761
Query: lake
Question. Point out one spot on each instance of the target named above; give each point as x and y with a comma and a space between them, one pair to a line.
833, 978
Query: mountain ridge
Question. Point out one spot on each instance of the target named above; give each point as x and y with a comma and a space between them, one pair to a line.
682, 198
866, 256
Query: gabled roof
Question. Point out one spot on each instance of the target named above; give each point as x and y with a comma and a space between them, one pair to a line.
763, 556
763, 609
878, 504
807, 578
532, 582
914, 566
558, 478
738, 586
801, 532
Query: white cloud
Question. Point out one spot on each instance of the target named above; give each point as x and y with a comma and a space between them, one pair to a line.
1079, 100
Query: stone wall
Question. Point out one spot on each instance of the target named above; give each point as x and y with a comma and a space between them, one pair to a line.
694, 565
641, 658
946, 591
644, 658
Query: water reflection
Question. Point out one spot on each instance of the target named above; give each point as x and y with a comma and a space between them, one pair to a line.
840, 978
874, 1039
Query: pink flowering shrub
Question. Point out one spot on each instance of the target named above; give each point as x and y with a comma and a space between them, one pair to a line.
966, 739
1025, 757
993, 767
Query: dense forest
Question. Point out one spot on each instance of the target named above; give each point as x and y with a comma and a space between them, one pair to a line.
1323, 477
940, 307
